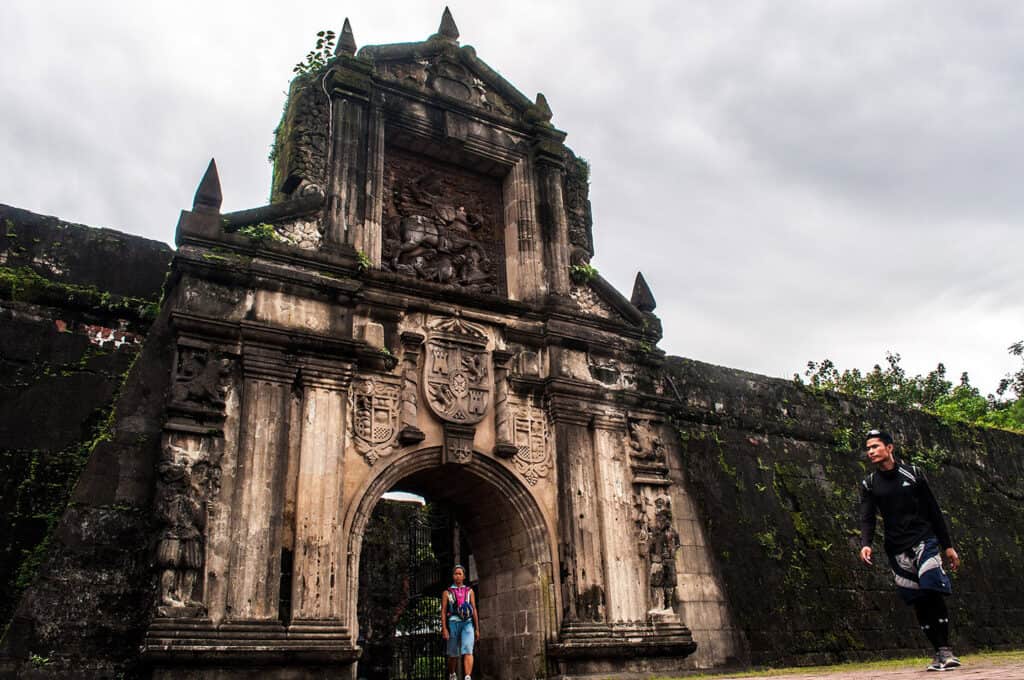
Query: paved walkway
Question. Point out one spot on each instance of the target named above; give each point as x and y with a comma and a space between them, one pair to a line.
980, 670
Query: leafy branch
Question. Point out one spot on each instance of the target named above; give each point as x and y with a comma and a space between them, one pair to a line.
318, 56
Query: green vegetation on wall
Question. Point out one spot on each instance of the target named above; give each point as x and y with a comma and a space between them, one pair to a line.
932, 393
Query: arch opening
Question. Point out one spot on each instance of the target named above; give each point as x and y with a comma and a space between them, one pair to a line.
476, 514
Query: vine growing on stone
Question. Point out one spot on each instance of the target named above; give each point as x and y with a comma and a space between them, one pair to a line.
317, 57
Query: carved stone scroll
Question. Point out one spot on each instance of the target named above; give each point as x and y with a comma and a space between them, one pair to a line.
374, 408
410, 432
504, 446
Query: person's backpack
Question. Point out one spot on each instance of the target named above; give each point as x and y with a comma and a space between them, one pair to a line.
463, 611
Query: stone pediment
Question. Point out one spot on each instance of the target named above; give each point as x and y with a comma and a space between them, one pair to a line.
439, 67
598, 298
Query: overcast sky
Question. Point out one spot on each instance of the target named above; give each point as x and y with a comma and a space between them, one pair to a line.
795, 179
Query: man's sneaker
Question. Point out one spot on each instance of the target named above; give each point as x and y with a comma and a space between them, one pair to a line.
948, 659
936, 664
453, 676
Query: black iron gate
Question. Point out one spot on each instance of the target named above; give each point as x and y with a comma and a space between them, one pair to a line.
407, 550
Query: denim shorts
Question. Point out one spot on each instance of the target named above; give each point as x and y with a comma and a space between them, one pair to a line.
460, 636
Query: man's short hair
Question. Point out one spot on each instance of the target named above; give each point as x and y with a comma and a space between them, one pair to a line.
878, 434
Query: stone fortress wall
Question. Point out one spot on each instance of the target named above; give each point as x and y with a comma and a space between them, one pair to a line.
772, 469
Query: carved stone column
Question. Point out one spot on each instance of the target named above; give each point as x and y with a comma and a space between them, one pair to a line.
410, 432
580, 552
255, 571
626, 597
553, 219
319, 560
524, 261
504, 445
346, 196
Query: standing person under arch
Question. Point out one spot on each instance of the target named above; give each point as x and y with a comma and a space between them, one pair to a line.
459, 624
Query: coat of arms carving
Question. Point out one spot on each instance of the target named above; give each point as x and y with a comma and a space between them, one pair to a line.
532, 458
374, 404
457, 372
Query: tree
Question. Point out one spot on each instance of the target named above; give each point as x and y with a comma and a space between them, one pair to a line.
932, 392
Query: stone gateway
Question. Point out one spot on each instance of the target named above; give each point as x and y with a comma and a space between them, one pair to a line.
409, 312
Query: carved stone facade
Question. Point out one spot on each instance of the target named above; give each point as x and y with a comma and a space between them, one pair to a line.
414, 327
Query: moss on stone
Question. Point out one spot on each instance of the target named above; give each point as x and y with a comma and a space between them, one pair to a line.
25, 285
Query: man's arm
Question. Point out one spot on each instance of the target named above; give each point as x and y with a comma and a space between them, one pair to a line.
868, 512
476, 621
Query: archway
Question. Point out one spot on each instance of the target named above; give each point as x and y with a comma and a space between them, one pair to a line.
511, 551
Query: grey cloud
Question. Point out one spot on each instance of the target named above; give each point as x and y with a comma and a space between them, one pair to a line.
779, 171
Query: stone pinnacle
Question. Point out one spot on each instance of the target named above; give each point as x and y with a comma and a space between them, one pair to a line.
346, 41
542, 106
642, 298
448, 29
208, 196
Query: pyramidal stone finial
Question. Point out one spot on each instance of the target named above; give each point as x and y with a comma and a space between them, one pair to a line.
448, 29
208, 196
346, 41
642, 298
542, 106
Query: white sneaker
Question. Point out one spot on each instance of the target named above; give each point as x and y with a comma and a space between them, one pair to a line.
948, 658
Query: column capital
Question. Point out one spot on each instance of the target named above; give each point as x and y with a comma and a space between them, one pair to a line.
411, 340
265, 364
326, 374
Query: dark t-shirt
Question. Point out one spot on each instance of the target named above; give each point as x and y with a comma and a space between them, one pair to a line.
909, 511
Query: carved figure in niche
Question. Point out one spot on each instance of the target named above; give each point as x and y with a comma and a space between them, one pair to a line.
201, 378
441, 223
375, 406
646, 442
664, 543
641, 521
186, 479
437, 242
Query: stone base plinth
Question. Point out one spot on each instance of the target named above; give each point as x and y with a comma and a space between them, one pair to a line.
197, 648
611, 649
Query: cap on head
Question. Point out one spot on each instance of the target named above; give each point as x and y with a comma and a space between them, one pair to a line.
879, 434
459, 566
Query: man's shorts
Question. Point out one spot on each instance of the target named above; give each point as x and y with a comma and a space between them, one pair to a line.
460, 636
918, 571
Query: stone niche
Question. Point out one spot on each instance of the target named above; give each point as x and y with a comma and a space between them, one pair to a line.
442, 223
